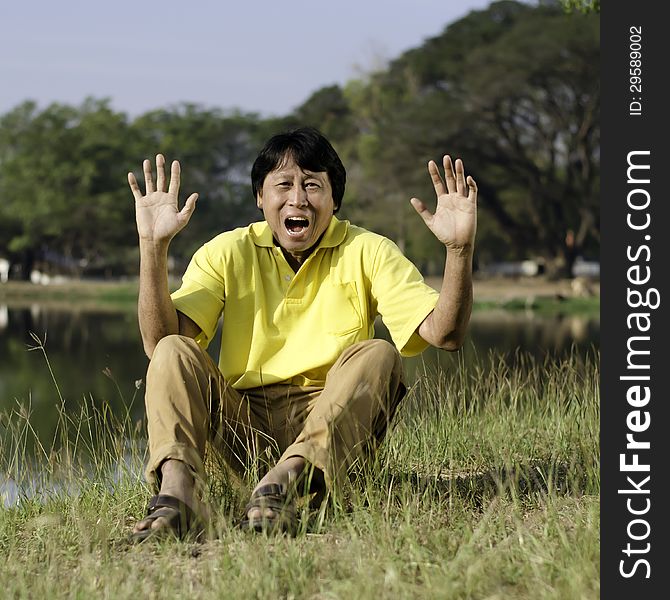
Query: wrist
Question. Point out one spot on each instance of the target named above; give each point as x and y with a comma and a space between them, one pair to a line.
153, 245
154, 253
465, 251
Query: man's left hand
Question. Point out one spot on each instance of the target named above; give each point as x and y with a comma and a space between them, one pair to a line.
454, 221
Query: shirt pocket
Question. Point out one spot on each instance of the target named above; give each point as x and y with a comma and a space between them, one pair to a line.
343, 313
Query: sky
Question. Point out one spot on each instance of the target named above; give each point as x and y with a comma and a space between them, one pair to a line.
256, 56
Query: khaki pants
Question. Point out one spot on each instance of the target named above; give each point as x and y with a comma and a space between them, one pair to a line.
191, 409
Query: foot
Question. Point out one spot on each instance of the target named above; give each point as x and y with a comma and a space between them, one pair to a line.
278, 510
177, 482
285, 475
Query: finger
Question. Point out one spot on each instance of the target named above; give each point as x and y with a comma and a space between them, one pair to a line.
436, 178
160, 173
423, 211
460, 177
188, 208
134, 188
148, 177
472, 189
175, 178
449, 174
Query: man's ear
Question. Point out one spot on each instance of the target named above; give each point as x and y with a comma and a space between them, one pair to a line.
259, 200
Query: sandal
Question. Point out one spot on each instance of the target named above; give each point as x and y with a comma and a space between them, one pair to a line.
271, 496
181, 518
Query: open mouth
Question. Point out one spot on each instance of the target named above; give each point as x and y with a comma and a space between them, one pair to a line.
296, 225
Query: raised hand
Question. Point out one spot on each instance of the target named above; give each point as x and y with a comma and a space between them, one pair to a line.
157, 211
454, 221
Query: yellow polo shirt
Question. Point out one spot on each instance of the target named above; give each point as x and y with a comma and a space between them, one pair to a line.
285, 327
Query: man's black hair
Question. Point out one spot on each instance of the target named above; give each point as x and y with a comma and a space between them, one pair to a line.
310, 150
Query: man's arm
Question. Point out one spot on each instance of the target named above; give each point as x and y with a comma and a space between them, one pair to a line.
158, 221
454, 223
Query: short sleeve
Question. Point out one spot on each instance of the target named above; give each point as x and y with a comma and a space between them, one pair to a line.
201, 296
402, 297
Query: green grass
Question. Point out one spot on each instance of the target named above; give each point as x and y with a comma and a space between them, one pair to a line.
487, 486
122, 294
101, 294
546, 305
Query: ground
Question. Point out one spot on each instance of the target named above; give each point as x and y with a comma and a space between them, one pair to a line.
503, 289
497, 289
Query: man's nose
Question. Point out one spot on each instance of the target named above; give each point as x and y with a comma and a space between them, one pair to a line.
298, 196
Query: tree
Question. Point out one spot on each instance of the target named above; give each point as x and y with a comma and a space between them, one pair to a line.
513, 90
328, 110
584, 6
61, 175
65, 199
216, 151
539, 126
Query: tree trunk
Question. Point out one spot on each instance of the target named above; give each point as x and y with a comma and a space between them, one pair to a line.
27, 263
560, 267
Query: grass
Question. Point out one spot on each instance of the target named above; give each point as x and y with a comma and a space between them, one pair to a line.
487, 486
545, 305
123, 294
113, 295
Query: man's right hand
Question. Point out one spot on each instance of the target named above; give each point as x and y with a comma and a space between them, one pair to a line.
157, 212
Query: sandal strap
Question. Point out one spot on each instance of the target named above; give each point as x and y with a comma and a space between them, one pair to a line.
269, 489
180, 516
271, 496
165, 501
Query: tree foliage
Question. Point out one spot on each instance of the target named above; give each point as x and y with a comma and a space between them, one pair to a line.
584, 6
61, 184
216, 151
512, 89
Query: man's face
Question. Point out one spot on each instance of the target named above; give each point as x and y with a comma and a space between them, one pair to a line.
298, 206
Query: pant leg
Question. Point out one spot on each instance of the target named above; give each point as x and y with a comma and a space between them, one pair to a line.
351, 415
243, 434
286, 407
189, 403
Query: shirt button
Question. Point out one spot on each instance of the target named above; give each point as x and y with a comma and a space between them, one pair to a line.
287, 277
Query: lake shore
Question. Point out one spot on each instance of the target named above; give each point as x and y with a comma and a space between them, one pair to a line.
505, 292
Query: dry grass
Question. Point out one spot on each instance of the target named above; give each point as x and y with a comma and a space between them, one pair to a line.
486, 487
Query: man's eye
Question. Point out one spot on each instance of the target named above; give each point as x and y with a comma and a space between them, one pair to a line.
311, 185
284, 184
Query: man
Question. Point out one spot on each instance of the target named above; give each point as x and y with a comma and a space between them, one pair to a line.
299, 373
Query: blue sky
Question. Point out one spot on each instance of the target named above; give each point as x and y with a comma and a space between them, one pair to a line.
258, 55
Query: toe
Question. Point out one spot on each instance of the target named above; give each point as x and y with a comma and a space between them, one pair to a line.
259, 514
254, 514
159, 523
145, 524
142, 525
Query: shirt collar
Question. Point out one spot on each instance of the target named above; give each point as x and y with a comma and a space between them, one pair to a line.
333, 236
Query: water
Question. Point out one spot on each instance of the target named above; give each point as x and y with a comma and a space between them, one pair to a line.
89, 355
96, 355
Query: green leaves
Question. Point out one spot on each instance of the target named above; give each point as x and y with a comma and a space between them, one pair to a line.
513, 90
64, 197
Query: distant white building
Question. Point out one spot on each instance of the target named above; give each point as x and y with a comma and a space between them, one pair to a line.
4, 270
532, 268
586, 268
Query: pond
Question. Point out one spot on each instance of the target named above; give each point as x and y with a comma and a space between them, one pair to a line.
94, 354
77, 355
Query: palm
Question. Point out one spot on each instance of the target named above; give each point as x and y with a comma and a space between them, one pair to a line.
157, 212
157, 216
454, 221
